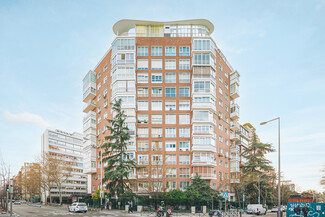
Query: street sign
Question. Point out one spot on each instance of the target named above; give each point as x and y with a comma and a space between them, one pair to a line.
101, 194
244, 197
225, 195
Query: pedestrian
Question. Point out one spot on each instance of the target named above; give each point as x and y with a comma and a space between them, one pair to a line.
130, 207
297, 210
305, 210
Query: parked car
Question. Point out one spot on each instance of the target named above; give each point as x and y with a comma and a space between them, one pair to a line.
275, 209
23, 201
17, 202
256, 209
78, 207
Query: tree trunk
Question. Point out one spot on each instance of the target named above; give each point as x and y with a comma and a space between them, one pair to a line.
49, 196
60, 195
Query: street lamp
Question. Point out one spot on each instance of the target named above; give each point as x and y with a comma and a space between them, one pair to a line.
279, 171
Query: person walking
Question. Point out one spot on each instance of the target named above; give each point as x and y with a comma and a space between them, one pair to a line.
305, 210
130, 208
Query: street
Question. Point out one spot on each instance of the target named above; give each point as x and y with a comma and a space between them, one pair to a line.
30, 211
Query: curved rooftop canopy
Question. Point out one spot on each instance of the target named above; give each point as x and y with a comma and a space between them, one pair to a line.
123, 26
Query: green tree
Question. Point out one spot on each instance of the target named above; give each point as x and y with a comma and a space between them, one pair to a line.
200, 192
257, 172
115, 147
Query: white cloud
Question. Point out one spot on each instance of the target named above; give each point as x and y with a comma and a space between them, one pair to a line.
26, 117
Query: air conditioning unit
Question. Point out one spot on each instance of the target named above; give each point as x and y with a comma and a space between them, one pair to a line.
171, 109
187, 149
159, 136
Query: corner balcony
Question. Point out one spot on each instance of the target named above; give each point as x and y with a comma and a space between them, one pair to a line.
205, 175
91, 105
234, 111
234, 169
234, 126
234, 137
204, 147
204, 105
234, 91
201, 163
234, 181
89, 158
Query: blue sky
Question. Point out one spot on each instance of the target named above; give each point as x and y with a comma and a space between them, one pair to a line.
46, 48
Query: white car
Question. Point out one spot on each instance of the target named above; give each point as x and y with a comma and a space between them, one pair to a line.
256, 209
78, 207
275, 209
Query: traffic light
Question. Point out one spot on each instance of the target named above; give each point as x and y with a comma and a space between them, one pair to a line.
7, 188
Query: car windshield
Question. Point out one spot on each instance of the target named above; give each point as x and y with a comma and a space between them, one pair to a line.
82, 204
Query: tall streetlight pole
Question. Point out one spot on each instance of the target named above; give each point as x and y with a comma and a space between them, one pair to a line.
279, 171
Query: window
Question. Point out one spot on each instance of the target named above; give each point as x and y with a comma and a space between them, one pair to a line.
142, 118
220, 67
156, 92
201, 58
226, 164
220, 91
99, 120
170, 159
184, 105
220, 103
170, 132
143, 186
184, 51
201, 115
171, 173
170, 92
220, 127
157, 186
220, 79
170, 77
170, 119
156, 159
156, 146
202, 86
184, 172
156, 78
226, 130
143, 173
184, 145
142, 64
143, 159
184, 64
105, 79
105, 115
156, 64
226, 107
98, 75
170, 105
220, 163
184, 119
226, 142
156, 132
142, 51
156, 51
143, 105
170, 64
170, 51
203, 129
156, 119
184, 92
142, 78
143, 132
170, 145
184, 77
183, 185
184, 132
184, 159
171, 185
226, 86
142, 91
99, 86
226, 96
156, 105
143, 146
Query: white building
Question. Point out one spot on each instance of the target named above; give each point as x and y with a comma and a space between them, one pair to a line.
70, 146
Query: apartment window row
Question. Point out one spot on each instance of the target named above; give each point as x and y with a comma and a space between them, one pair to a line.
170, 64
184, 77
168, 145
169, 159
170, 132
169, 51
169, 119
170, 185
157, 105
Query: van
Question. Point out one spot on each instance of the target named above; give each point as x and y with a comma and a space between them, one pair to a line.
256, 209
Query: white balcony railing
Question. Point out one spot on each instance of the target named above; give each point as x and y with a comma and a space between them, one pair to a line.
205, 175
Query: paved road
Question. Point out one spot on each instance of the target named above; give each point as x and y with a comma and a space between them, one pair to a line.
46, 211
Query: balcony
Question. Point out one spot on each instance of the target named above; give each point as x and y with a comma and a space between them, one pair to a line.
234, 169
234, 181
234, 91
91, 105
205, 175
234, 137
132, 176
89, 94
204, 147
201, 163
89, 159
234, 126
234, 111
204, 105
234, 78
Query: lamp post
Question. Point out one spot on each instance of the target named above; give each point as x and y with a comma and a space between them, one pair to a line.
279, 171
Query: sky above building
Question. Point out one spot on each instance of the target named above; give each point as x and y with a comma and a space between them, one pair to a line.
47, 47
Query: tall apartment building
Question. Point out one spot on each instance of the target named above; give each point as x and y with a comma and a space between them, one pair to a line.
28, 182
178, 91
69, 148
